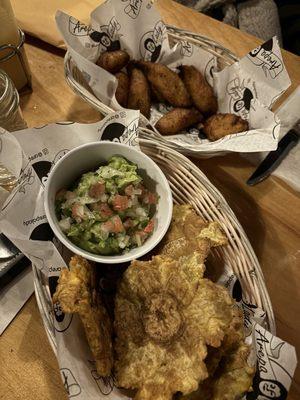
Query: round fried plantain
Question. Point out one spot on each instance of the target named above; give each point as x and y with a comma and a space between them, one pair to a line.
167, 83
122, 89
200, 91
177, 120
220, 125
139, 93
113, 61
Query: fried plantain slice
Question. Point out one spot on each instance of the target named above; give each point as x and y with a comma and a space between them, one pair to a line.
177, 120
220, 125
139, 93
113, 61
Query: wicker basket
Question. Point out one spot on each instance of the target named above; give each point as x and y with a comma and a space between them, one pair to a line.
77, 82
190, 185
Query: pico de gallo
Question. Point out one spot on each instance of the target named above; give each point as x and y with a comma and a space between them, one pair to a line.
107, 211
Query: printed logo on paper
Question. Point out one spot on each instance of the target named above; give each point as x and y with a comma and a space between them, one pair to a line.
208, 71
76, 28
240, 98
115, 131
264, 57
105, 384
107, 37
186, 49
71, 385
151, 42
133, 8
42, 168
270, 373
62, 320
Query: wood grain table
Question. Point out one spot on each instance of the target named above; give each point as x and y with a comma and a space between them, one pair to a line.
269, 213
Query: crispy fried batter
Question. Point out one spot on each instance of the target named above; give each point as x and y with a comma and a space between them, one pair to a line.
76, 292
139, 93
177, 120
122, 88
165, 316
232, 378
166, 82
220, 125
190, 238
113, 61
200, 91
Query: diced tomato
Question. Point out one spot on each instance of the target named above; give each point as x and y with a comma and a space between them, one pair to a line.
77, 211
97, 190
108, 226
118, 226
102, 208
60, 195
129, 190
128, 223
149, 198
120, 203
149, 228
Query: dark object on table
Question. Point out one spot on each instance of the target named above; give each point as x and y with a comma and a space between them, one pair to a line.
274, 158
13, 268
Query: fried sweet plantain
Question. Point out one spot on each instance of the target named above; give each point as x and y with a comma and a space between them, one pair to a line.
113, 61
167, 83
139, 93
220, 125
200, 91
177, 120
77, 293
122, 88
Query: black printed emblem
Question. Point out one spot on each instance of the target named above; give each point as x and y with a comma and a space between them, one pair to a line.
240, 98
107, 37
151, 43
113, 132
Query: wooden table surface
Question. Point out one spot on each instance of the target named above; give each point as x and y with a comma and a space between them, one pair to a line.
269, 213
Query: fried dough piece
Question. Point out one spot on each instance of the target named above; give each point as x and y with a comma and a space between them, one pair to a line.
122, 88
177, 120
220, 125
113, 61
200, 91
165, 316
190, 238
77, 293
139, 93
166, 82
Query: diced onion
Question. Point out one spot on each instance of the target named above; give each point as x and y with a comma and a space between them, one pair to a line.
65, 224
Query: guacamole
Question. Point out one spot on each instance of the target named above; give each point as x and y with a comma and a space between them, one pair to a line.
107, 211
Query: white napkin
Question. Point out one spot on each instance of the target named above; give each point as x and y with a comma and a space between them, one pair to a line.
289, 114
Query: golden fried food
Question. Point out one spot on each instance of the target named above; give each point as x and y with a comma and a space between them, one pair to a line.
220, 125
139, 93
155, 95
190, 238
231, 380
200, 91
122, 88
113, 61
177, 120
167, 83
76, 292
165, 316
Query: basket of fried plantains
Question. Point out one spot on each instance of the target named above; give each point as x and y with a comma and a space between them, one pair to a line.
163, 329
189, 99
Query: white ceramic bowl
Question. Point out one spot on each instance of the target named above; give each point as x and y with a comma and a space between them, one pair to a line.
89, 157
